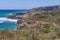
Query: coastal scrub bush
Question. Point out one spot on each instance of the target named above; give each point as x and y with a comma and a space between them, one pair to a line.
40, 16
45, 29
58, 34
46, 26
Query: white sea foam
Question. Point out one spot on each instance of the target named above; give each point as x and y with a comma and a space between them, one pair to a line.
7, 19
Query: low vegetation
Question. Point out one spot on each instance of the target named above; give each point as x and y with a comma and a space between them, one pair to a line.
40, 26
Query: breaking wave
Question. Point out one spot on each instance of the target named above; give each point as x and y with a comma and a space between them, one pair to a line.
7, 19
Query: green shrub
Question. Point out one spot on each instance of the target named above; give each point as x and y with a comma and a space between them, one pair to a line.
45, 29
46, 26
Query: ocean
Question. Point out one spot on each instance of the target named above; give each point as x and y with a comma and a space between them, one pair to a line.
6, 23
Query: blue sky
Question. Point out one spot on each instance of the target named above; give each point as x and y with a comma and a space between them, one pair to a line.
26, 4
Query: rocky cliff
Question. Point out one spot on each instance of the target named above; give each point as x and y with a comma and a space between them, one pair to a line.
41, 21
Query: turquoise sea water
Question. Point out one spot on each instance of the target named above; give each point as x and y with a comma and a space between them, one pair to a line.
6, 23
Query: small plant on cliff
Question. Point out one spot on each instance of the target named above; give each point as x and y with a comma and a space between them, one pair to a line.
45, 29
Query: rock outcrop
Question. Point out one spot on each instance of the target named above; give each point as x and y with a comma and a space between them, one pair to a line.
46, 8
16, 15
37, 15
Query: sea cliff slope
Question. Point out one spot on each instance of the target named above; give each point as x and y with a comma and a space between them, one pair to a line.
41, 23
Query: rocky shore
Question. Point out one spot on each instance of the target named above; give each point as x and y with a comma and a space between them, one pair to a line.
42, 23
33, 11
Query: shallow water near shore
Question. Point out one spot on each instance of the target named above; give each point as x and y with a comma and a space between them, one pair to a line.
6, 23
